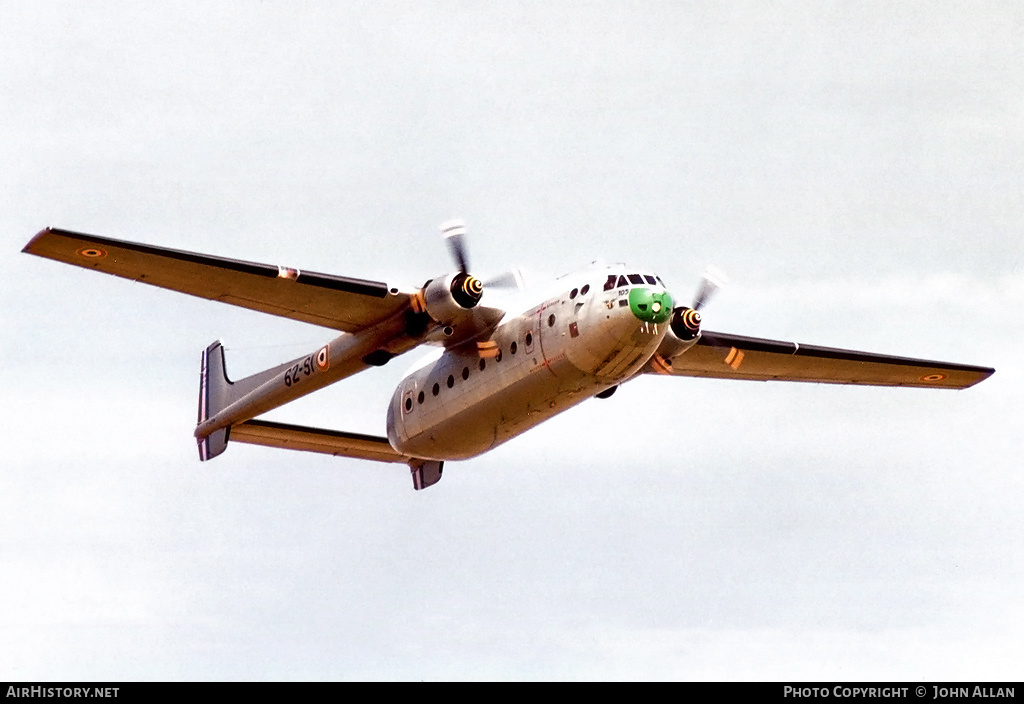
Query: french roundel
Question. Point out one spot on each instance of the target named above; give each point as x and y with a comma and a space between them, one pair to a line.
323, 359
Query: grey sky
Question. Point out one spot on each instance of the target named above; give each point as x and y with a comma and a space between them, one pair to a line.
855, 168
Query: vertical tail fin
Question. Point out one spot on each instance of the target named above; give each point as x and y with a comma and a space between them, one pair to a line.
425, 472
213, 393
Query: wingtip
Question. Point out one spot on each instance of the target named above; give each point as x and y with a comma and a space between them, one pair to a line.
980, 375
27, 249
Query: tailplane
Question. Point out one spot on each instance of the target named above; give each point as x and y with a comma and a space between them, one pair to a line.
336, 442
217, 392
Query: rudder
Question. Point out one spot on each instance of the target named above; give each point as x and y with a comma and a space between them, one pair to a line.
213, 392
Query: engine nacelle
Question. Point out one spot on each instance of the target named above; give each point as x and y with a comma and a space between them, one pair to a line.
448, 298
682, 334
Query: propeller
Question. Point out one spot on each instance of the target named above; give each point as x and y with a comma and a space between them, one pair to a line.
513, 278
446, 299
685, 321
712, 280
454, 233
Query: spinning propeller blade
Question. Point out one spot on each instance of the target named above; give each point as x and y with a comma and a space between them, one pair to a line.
712, 280
512, 278
454, 232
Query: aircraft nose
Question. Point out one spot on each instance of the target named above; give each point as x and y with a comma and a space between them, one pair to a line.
650, 306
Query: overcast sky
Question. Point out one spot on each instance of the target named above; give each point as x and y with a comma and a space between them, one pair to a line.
856, 168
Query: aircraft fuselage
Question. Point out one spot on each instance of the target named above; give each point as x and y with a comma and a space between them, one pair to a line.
596, 333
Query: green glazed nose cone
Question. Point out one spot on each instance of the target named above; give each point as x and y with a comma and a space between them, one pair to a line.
649, 306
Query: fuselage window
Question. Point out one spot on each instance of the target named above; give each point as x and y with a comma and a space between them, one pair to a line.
529, 339
465, 373
483, 363
623, 302
420, 397
572, 294
408, 404
610, 283
451, 381
513, 347
636, 279
585, 290
551, 320
650, 279
497, 358
437, 389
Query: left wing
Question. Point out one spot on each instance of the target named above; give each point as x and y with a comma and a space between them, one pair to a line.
725, 356
322, 299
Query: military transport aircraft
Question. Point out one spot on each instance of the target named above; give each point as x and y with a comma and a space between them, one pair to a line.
494, 374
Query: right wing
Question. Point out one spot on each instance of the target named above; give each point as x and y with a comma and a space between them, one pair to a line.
322, 299
726, 356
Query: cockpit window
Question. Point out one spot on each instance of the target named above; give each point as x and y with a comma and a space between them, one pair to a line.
658, 279
624, 280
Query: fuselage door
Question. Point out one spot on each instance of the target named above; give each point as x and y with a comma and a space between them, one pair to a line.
530, 331
410, 403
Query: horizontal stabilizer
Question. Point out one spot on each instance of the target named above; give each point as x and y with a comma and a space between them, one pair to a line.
335, 442
331, 442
